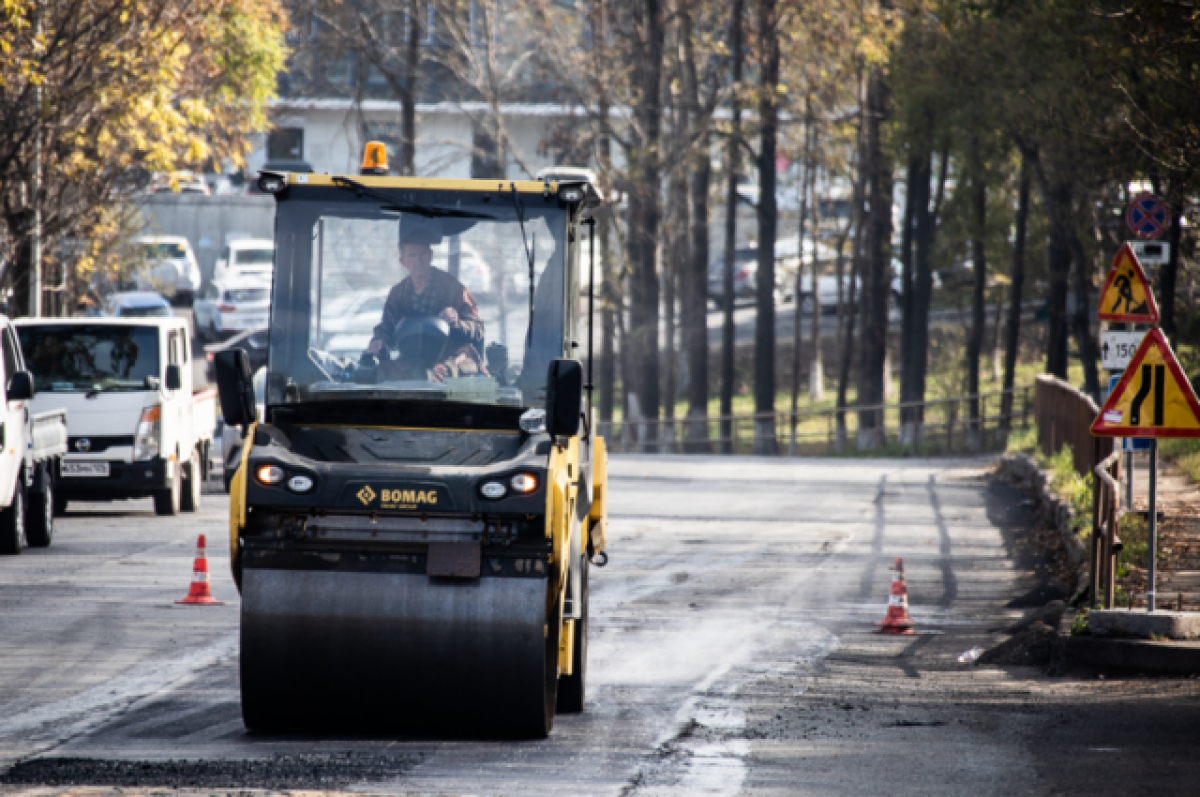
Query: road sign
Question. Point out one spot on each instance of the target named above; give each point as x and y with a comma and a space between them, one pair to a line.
1153, 397
1117, 347
1126, 295
1151, 253
1127, 443
1148, 216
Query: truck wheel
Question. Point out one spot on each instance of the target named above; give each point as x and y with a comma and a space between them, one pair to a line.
39, 522
571, 688
192, 482
166, 502
12, 521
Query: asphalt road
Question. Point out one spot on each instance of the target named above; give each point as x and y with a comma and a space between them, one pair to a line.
732, 652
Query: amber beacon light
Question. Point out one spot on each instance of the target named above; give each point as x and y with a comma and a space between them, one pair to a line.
374, 159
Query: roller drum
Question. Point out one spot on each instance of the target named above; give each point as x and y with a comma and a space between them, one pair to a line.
378, 650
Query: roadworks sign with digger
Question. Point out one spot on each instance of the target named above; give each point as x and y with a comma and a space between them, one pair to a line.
1153, 398
1126, 295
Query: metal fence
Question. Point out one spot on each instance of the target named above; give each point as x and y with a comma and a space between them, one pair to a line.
926, 428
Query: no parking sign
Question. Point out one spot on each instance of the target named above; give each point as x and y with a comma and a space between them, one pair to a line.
1148, 216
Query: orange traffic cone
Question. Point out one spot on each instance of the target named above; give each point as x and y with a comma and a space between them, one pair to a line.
200, 592
897, 620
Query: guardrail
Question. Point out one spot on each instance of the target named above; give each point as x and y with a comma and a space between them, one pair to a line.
942, 426
1064, 416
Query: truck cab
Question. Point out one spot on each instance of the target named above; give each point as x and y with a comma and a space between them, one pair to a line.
32, 445
136, 427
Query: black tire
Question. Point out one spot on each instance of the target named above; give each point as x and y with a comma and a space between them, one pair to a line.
572, 688
193, 482
12, 521
39, 515
167, 502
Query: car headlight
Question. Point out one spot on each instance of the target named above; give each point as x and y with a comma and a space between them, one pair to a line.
145, 442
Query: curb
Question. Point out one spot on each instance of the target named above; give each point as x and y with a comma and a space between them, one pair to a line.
1130, 656
1053, 510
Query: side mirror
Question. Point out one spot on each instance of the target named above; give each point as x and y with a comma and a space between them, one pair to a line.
21, 387
564, 397
174, 378
235, 386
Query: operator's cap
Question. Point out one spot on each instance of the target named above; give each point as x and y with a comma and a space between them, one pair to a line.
416, 229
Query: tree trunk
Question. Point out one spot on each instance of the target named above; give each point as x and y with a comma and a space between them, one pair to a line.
1082, 320
694, 271
798, 305
978, 296
695, 305
913, 195
1057, 198
877, 264
643, 211
732, 161
926, 234
816, 369
764, 325
408, 98
1013, 333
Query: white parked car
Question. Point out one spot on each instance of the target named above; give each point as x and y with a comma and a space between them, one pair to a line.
251, 257
232, 306
136, 429
167, 265
34, 445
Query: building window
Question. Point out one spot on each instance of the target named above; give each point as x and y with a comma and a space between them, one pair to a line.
285, 144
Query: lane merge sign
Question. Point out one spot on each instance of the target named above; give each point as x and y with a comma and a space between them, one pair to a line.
1126, 295
1152, 399
1148, 216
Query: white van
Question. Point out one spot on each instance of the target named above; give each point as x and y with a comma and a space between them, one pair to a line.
136, 429
250, 257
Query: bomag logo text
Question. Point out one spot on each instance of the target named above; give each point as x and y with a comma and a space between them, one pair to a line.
409, 497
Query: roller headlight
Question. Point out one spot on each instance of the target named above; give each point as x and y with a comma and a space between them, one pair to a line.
523, 483
300, 484
269, 474
571, 194
493, 490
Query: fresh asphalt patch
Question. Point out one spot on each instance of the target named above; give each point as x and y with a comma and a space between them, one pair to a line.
314, 771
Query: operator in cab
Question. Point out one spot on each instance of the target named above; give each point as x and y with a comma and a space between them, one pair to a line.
430, 318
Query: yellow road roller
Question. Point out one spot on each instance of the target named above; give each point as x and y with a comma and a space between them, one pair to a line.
421, 490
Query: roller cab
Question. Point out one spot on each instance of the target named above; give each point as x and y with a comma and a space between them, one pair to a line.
415, 511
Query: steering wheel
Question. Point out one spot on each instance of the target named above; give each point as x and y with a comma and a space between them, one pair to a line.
421, 340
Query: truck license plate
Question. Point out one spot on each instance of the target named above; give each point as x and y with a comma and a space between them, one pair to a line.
85, 469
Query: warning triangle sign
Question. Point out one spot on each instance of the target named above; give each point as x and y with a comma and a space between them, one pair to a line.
1126, 295
1153, 398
